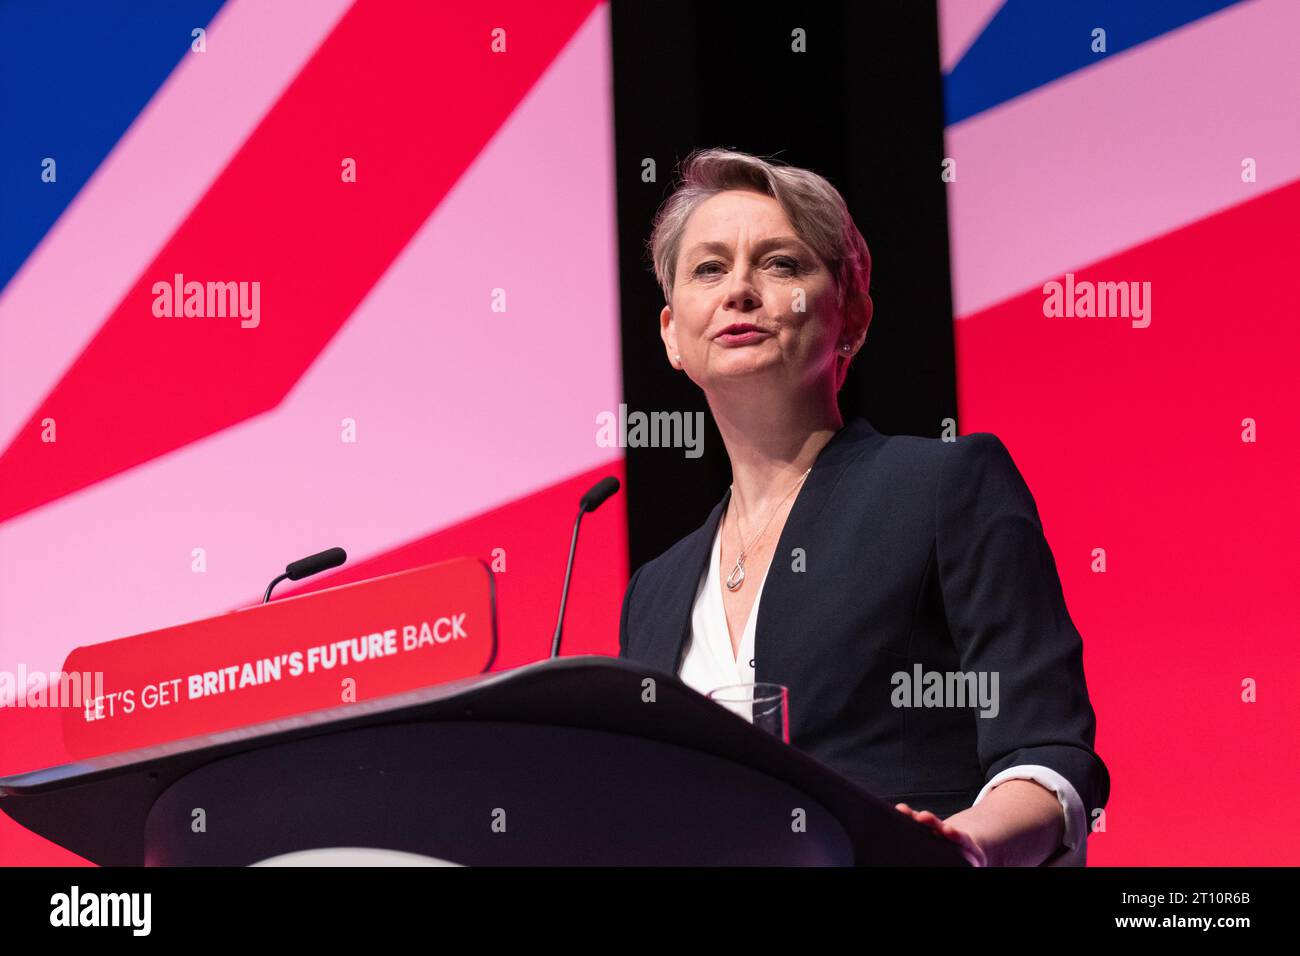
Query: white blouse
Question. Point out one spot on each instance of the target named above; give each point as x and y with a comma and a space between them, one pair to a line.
710, 663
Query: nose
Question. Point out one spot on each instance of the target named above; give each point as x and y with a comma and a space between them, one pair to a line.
741, 294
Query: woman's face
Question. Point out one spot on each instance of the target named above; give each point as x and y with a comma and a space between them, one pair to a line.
751, 299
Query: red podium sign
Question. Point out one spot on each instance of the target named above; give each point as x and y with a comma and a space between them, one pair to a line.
351, 643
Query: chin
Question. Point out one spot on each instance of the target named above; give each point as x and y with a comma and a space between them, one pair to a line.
741, 368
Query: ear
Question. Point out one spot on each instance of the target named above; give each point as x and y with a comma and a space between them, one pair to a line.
668, 332
857, 319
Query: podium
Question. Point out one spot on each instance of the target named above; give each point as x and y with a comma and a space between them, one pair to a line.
577, 761
226, 742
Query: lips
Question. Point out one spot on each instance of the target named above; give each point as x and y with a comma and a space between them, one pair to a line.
741, 333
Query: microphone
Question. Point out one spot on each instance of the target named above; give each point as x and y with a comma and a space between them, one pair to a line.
600, 492
306, 567
593, 499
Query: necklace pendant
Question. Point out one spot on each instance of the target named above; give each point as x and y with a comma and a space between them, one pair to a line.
737, 576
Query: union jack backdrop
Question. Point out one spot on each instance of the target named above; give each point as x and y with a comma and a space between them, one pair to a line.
280, 275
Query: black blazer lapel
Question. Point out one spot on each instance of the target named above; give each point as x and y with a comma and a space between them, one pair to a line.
666, 653
778, 609
773, 615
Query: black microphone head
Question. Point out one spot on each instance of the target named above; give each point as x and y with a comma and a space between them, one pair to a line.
315, 564
599, 493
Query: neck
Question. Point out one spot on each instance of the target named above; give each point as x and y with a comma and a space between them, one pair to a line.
771, 444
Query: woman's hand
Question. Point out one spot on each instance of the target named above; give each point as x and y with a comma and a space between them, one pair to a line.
970, 849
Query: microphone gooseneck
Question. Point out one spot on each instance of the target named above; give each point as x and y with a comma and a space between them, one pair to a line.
596, 496
306, 567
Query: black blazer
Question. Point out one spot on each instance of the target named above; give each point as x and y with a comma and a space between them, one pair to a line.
916, 551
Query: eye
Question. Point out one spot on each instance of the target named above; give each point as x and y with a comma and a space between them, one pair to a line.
785, 264
699, 270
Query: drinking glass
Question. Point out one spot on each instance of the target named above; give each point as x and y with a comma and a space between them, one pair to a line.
766, 706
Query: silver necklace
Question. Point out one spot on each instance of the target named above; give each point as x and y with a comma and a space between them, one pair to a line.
737, 576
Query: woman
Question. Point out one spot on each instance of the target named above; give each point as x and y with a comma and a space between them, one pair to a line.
851, 566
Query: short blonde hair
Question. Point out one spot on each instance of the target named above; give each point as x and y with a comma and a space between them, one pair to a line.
814, 207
